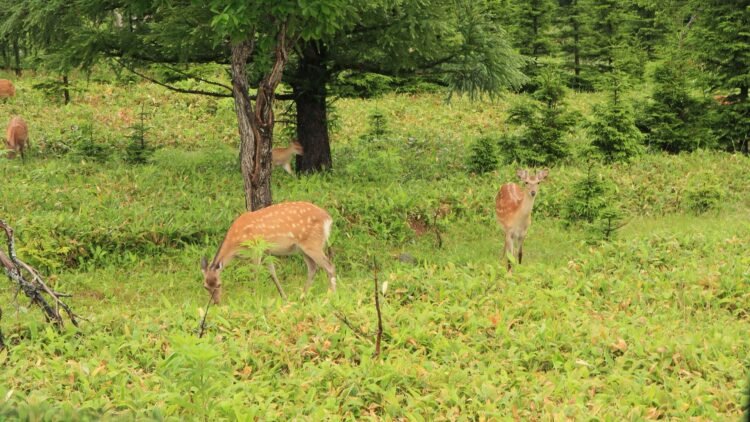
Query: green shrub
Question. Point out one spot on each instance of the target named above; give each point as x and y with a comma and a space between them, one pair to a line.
673, 120
613, 132
704, 193
85, 147
138, 151
483, 156
591, 204
542, 125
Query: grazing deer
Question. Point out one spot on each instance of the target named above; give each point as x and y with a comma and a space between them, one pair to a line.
513, 206
725, 99
17, 137
283, 156
287, 228
7, 89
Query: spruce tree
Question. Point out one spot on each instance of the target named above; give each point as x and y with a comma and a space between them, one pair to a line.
722, 41
613, 131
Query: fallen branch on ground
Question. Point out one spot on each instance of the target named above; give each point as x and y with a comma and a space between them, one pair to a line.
29, 281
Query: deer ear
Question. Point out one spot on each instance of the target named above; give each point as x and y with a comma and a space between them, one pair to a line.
542, 174
204, 264
522, 174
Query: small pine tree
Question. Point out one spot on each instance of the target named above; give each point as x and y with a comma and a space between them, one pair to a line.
85, 147
483, 157
674, 120
592, 205
613, 131
544, 124
138, 150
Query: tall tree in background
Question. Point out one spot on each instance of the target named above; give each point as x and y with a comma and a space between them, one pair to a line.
609, 43
573, 31
532, 26
722, 40
456, 43
253, 40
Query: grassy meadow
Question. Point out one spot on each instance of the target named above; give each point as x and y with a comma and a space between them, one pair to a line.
652, 324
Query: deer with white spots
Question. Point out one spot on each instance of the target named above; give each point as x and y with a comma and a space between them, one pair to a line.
283, 156
288, 228
513, 205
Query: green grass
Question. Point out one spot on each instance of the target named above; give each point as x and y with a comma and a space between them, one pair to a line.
651, 325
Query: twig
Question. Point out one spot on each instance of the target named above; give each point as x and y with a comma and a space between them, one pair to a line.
357, 332
2, 339
377, 308
33, 289
170, 87
436, 228
205, 314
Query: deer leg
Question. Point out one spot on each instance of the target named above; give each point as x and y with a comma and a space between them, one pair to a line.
272, 269
288, 167
322, 260
508, 251
312, 268
520, 249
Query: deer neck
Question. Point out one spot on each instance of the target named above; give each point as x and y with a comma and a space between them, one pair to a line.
527, 203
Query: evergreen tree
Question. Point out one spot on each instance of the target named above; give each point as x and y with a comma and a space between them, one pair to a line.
543, 124
613, 129
457, 44
572, 33
674, 120
722, 40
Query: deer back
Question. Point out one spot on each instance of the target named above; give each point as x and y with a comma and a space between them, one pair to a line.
6, 88
17, 133
285, 226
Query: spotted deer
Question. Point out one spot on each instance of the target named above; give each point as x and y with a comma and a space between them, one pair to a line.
7, 89
17, 137
513, 205
283, 156
287, 227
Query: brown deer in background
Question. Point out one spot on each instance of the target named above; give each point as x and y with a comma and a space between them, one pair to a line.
17, 137
513, 206
287, 227
283, 156
7, 89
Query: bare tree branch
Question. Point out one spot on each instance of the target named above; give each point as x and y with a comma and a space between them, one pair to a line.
35, 287
170, 87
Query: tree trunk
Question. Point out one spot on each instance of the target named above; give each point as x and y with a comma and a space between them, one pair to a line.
17, 54
245, 117
256, 128
66, 90
309, 87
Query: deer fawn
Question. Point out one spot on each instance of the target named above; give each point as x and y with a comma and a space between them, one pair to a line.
513, 206
17, 137
6, 88
283, 156
287, 227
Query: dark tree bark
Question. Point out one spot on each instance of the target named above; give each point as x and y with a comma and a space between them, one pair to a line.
66, 90
17, 54
256, 127
245, 116
309, 88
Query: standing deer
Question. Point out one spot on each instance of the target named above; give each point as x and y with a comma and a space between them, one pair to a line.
287, 228
7, 89
283, 156
17, 137
513, 206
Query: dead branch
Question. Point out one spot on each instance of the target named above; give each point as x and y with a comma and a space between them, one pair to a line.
32, 284
202, 327
357, 332
377, 308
